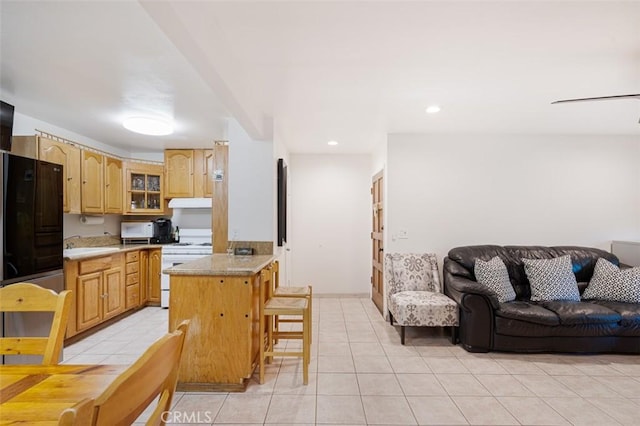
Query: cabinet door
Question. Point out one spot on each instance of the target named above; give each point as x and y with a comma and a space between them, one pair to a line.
178, 165
144, 186
69, 157
208, 172
155, 270
112, 185
92, 182
144, 277
89, 300
114, 291
203, 173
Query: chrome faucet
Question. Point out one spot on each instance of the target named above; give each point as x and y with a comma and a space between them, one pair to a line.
69, 244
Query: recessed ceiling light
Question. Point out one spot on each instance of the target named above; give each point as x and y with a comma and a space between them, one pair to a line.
148, 126
433, 109
332, 143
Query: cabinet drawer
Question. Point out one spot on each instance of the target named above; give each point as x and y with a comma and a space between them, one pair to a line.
94, 265
132, 296
132, 279
132, 267
132, 256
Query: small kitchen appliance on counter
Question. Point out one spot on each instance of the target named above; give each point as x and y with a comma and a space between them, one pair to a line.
136, 231
162, 231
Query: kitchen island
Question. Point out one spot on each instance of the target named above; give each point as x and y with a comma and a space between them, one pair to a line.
219, 294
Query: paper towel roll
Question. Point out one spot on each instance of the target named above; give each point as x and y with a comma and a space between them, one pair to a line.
91, 220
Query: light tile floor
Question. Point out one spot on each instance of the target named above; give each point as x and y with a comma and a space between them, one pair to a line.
361, 374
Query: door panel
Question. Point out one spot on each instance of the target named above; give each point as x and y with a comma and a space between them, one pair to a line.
89, 300
114, 290
377, 246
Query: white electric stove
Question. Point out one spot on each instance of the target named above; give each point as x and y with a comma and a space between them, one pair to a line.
194, 243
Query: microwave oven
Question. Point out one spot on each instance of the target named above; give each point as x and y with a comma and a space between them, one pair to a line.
135, 230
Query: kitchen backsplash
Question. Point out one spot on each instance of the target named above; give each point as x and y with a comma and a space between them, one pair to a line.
73, 226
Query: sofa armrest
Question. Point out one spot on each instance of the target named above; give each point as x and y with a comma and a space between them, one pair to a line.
477, 307
457, 286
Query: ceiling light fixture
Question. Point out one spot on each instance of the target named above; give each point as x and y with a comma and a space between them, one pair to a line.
433, 109
148, 126
332, 143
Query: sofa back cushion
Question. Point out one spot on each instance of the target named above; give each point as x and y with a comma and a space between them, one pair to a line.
583, 261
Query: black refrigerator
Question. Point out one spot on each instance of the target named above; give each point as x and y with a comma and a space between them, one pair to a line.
31, 229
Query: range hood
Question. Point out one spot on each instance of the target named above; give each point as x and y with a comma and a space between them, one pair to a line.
190, 203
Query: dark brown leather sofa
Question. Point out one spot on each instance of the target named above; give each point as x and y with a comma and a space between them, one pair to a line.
525, 326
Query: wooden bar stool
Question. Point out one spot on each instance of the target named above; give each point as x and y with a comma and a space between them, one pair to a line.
269, 307
305, 292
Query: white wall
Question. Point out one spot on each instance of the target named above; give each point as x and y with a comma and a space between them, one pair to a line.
453, 190
251, 177
330, 222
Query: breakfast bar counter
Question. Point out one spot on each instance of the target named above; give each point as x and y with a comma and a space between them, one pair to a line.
222, 264
219, 294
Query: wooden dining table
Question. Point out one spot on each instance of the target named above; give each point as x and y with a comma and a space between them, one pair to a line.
39, 393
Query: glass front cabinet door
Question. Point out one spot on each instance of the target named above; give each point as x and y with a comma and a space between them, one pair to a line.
144, 190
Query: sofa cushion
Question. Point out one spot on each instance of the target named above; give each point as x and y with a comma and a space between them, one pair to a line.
610, 283
572, 313
494, 275
630, 312
529, 312
551, 279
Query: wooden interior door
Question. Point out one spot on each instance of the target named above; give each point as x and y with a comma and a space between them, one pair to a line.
377, 246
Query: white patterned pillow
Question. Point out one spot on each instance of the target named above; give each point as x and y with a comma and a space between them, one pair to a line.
494, 275
610, 283
552, 279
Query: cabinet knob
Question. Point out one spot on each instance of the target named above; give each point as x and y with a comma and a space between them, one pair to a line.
69, 178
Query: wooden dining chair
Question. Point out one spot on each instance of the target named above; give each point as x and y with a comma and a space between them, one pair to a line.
153, 375
78, 415
27, 297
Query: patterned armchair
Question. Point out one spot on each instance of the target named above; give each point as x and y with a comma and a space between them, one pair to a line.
415, 295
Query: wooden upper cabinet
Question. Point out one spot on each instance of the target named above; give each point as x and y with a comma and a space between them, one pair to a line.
113, 185
203, 173
92, 182
69, 157
144, 188
178, 165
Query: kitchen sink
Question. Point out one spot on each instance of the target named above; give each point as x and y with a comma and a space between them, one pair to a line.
81, 251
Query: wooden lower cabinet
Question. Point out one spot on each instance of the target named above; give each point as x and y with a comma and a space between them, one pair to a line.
89, 300
114, 294
143, 271
132, 280
106, 286
99, 290
155, 274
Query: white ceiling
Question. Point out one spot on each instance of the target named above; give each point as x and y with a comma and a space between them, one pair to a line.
306, 72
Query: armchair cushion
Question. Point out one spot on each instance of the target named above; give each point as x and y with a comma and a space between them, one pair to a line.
412, 272
423, 308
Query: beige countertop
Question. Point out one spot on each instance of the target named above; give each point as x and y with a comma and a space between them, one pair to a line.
222, 265
79, 253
